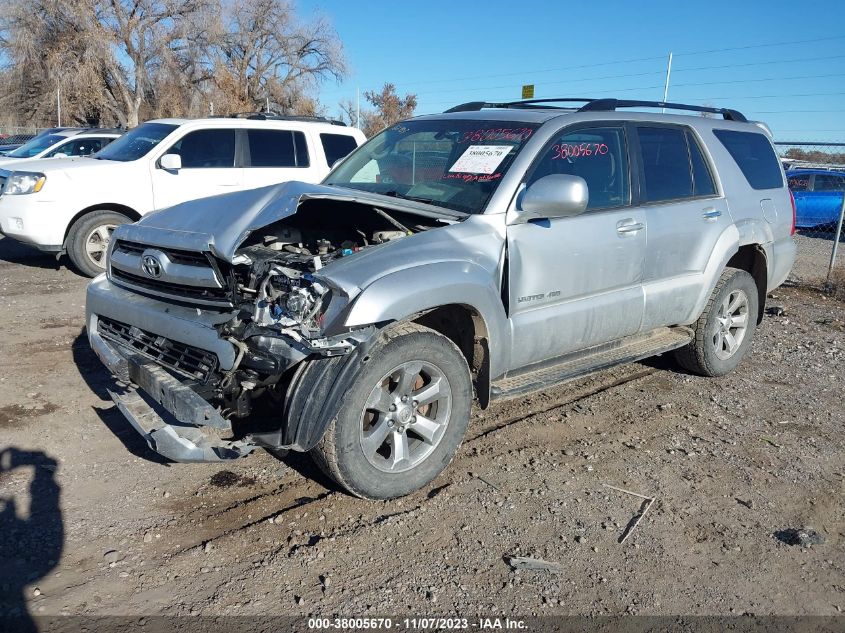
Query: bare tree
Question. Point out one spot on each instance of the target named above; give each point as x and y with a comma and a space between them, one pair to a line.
263, 53
118, 61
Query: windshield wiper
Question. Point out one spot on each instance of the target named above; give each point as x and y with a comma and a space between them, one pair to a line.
396, 194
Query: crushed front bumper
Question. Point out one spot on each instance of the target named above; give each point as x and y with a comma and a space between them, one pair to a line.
174, 421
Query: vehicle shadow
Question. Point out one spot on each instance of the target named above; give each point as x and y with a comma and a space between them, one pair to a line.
31, 543
98, 380
14, 252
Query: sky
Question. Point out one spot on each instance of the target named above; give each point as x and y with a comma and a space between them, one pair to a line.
778, 62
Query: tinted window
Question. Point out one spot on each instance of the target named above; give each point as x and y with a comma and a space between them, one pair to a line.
337, 146
80, 147
755, 157
799, 182
702, 184
666, 164
36, 146
136, 142
827, 182
599, 156
206, 149
277, 148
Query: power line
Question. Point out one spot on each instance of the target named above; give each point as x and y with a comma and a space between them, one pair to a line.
626, 61
696, 83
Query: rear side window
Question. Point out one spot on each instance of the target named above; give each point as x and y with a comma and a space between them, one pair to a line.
828, 182
702, 179
206, 149
755, 157
277, 148
666, 164
337, 146
799, 182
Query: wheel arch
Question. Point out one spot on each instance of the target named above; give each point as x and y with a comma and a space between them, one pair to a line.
465, 327
752, 259
459, 289
129, 212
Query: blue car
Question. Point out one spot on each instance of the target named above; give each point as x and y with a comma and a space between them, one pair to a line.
818, 196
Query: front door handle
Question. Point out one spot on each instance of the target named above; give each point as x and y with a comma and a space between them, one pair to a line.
710, 213
628, 226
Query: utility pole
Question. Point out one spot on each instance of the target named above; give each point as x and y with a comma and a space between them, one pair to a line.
666, 86
358, 107
59, 105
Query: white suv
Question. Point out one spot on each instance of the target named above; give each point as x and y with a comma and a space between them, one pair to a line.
62, 144
73, 204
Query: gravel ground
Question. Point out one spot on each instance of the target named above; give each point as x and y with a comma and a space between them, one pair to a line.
95, 523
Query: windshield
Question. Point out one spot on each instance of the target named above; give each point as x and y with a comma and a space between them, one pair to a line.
456, 164
135, 143
35, 146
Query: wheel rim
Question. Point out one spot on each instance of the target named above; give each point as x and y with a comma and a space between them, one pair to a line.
731, 324
405, 416
97, 243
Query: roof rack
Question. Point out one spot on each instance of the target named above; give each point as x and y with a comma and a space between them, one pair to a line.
275, 116
600, 105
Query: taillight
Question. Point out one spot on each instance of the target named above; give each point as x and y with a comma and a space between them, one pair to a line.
792, 200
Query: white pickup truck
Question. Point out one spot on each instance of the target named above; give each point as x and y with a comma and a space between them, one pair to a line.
72, 205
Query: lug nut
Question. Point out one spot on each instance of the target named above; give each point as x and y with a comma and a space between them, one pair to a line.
413, 419
404, 398
393, 407
415, 403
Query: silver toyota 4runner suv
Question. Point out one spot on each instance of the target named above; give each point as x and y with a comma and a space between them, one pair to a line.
482, 253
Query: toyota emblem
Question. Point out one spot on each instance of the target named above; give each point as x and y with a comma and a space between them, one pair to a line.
151, 266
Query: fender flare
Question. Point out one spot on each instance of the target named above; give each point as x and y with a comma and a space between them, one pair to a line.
434, 285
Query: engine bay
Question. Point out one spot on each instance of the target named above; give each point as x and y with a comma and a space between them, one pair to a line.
275, 267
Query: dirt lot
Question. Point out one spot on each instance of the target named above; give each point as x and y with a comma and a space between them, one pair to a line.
107, 528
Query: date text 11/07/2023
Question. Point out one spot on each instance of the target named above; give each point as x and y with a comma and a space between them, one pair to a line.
417, 624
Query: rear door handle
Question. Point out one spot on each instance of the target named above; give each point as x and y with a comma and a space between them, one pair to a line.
710, 213
627, 226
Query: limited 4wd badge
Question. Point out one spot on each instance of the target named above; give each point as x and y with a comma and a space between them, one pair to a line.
481, 159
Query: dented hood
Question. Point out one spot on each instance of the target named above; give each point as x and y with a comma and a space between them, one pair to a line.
221, 223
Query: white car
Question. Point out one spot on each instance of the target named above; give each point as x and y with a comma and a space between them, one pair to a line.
61, 144
72, 205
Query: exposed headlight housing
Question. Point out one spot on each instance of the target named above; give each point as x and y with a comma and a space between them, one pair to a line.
21, 182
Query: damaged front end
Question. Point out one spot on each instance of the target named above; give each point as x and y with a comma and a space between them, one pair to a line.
241, 343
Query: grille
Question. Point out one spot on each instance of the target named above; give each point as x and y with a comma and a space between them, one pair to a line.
177, 256
125, 268
188, 361
176, 291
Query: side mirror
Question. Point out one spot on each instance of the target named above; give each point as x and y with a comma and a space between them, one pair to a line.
553, 196
171, 162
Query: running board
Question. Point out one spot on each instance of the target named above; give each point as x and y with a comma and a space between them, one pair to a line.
580, 364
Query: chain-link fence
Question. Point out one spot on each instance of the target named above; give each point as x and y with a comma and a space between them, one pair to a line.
816, 174
13, 134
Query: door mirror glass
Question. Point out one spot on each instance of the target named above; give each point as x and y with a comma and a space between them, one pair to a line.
171, 162
553, 196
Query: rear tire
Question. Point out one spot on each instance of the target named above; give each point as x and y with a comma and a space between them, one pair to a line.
724, 331
88, 240
402, 419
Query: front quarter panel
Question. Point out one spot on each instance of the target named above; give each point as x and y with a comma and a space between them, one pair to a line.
414, 290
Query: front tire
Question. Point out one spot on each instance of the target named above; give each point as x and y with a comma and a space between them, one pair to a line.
402, 419
724, 331
88, 240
